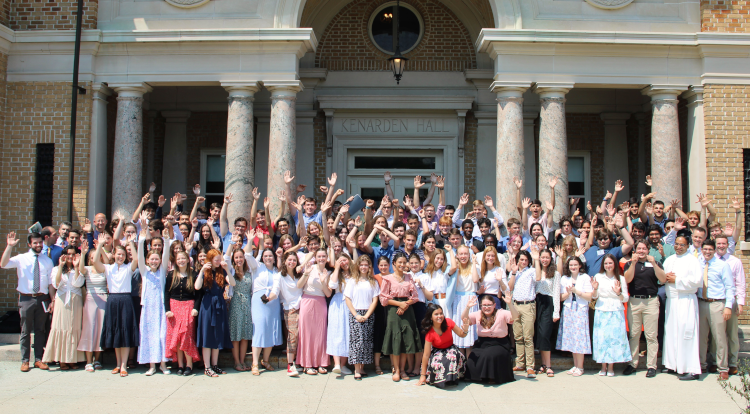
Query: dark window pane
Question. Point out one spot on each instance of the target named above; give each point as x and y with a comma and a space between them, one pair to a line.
45, 166
214, 186
382, 29
422, 192
372, 194
395, 163
576, 188
210, 199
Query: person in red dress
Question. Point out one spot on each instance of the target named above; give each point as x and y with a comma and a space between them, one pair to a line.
442, 362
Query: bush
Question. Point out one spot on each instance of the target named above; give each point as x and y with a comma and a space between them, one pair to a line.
741, 390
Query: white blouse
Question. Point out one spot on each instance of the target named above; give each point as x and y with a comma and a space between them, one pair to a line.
119, 277
290, 293
418, 277
314, 285
70, 284
582, 284
465, 283
606, 298
361, 293
551, 287
491, 282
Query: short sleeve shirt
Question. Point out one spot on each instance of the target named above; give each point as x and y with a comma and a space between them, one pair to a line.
443, 341
499, 329
595, 256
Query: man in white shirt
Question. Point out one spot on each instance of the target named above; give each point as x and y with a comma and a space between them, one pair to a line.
681, 340
34, 278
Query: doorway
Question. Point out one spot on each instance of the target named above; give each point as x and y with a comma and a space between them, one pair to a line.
365, 170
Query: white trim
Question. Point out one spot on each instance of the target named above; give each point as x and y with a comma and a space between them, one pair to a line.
392, 4
205, 152
390, 102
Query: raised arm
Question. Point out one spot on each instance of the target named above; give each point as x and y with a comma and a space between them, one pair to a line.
590, 240
223, 220
137, 213
525, 204
98, 266
12, 241
518, 184
198, 201
288, 178
388, 190
618, 187
254, 208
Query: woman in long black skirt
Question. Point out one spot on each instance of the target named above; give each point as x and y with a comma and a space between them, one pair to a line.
547, 307
384, 266
490, 358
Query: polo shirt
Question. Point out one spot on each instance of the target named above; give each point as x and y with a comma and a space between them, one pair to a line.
595, 256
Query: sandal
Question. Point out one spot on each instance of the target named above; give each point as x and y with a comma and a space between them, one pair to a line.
116, 370
268, 366
64, 366
357, 378
255, 370
378, 371
542, 369
150, 372
396, 378
218, 370
98, 365
239, 368
209, 372
550, 373
123, 373
322, 370
404, 376
89, 368
311, 371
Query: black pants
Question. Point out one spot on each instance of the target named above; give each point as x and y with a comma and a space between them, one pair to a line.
33, 317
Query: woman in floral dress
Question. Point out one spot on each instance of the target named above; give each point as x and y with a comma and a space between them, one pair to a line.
240, 319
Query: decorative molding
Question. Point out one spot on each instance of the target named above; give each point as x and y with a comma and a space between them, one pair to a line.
461, 132
187, 4
411, 102
329, 132
608, 4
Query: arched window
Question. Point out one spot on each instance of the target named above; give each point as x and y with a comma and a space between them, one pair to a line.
410, 27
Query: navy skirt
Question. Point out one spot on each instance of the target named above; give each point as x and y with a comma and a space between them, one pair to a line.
213, 320
120, 327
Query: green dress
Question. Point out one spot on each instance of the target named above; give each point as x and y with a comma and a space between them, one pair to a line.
240, 321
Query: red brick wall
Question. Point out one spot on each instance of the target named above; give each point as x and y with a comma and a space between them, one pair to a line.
319, 143
346, 45
49, 15
470, 157
730, 16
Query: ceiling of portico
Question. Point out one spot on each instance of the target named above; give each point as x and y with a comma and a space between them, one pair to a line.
474, 14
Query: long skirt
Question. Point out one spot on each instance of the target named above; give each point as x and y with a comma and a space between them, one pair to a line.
213, 321
545, 328
291, 318
490, 360
573, 334
313, 318
379, 318
266, 321
610, 338
181, 334
93, 319
152, 346
446, 366
401, 334
337, 343
459, 304
420, 309
360, 339
62, 342
120, 329
240, 314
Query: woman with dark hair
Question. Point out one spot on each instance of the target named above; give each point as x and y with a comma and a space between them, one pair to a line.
213, 317
361, 295
522, 281
573, 334
383, 266
547, 306
442, 362
337, 336
610, 342
291, 295
181, 303
240, 315
490, 357
266, 309
313, 316
94, 307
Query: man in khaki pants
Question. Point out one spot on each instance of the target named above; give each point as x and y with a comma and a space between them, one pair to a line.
643, 274
715, 302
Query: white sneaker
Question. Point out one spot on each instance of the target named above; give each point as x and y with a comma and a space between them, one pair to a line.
292, 371
571, 371
337, 369
346, 371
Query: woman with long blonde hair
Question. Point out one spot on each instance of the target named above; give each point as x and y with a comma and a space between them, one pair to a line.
491, 273
181, 303
240, 316
361, 295
466, 287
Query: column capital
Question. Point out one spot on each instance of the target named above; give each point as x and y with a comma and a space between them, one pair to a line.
131, 89
614, 118
241, 89
178, 117
664, 92
284, 88
547, 90
101, 90
694, 96
509, 89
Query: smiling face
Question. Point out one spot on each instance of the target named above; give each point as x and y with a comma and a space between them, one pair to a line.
268, 259
364, 267
523, 262
239, 258
283, 227
574, 267
400, 265
154, 260
545, 258
708, 252
290, 262
415, 265
437, 317
488, 306
383, 267
463, 255
609, 265
439, 259
181, 260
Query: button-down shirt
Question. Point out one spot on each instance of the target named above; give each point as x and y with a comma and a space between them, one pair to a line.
524, 288
119, 278
457, 220
69, 284
24, 265
316, 217
55, 252
738, 274
720, 281
668, 251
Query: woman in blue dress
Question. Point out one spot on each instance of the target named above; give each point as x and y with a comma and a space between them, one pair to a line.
152, 347
213, 318
337, 344
266, 307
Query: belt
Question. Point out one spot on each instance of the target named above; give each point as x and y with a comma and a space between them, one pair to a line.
643, 296
711, 300
33, 295
439, 295
524, 302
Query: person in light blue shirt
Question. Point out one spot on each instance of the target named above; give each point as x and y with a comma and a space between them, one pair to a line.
715, 302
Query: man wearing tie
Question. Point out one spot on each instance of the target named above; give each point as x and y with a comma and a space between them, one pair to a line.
50, 247
34, 278
715, 303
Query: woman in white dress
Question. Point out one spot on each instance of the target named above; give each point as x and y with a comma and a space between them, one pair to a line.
337, 343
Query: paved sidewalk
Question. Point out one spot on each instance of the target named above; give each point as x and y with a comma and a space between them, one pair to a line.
274, 392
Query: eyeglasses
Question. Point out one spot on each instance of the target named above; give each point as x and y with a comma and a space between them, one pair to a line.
488, 306
681, 244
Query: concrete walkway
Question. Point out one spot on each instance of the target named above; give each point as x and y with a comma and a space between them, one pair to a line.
274, 392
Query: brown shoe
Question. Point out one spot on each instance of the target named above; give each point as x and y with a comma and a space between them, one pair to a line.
732, 370
713, 369
724, 376
25, 366
40, 365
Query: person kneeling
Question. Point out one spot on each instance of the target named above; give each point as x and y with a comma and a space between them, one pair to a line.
442, 362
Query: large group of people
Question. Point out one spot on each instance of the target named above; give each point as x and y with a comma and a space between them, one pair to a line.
446, 293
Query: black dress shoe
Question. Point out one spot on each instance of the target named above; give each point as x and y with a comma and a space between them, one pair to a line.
668, 371
628, 370
689, 377
713, 369
650, 373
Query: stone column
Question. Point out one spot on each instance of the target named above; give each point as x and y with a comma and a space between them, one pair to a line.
283, 135
666, 171
239, 169
510, 161
174, 163
128, 159
616, 152
696, 145
553, 145
97, 202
